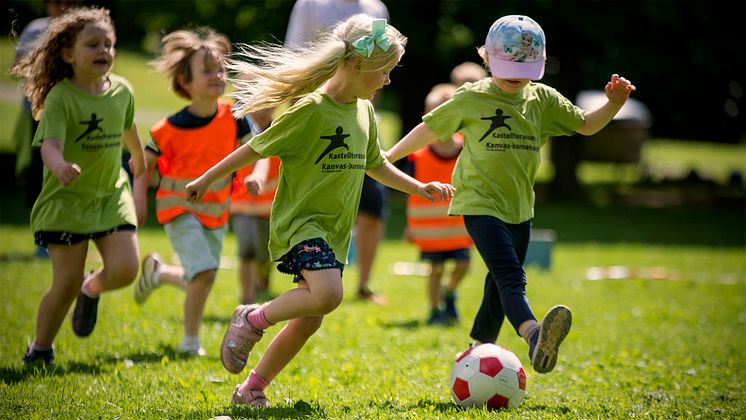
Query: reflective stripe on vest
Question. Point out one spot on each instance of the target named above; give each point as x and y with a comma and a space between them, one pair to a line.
255, 205
429, 225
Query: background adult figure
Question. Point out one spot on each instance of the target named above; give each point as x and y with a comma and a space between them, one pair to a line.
307, 20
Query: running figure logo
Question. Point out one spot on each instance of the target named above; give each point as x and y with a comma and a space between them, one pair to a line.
92, 126
497, 121
335, 141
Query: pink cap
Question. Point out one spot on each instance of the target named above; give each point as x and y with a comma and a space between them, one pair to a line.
516, 48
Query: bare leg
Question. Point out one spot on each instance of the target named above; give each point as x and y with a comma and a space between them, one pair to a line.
173, 275
248, 272
120, 255
68, 264
197, 292
321, 294
369, 229
458, 274
433, 286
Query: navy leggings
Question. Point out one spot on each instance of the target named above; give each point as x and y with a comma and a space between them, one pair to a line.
503, 248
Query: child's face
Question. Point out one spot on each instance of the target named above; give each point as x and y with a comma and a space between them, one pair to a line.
92, 54
510, 85
208, 77
373, 81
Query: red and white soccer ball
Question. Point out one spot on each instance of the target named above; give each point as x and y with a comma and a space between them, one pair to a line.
489, 375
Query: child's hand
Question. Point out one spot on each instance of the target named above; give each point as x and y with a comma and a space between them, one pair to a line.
435, 191
618, 89
253, 186
67, 173
196, 189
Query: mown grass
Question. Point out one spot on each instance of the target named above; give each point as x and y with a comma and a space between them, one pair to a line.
638, 347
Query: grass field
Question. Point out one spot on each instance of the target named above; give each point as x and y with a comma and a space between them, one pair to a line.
638, 347
669, 348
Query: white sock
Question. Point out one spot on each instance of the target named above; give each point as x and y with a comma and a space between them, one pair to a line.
190, 342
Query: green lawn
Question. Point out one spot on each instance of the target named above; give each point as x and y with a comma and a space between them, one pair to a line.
660, 348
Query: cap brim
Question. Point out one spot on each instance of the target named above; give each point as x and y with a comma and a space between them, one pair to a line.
516, 69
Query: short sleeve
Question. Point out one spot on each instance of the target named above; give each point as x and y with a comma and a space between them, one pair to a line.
561, 117
53, 120
447, 118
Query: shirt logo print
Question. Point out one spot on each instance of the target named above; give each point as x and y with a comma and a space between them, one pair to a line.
92, 126
498, 121
335, 141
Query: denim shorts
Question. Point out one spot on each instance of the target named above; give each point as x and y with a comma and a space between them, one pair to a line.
198, 248
313, 254
441, 256
44, 238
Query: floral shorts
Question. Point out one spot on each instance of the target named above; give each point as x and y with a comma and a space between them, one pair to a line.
313, 254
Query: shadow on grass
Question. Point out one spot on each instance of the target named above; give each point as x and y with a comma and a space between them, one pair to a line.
14, 374
298, 409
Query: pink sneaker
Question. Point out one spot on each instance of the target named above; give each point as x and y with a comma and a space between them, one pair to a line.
239, 339
254, 398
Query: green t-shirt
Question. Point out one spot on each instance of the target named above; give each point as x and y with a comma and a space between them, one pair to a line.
90, 128
325, 148
503, 134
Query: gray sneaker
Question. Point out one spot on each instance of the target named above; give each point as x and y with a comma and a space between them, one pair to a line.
147, 282
544, 344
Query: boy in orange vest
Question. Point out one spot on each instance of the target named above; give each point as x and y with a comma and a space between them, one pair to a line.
183, 146
438, 236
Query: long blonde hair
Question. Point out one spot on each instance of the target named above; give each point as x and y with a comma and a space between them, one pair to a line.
180, 46
270, 74
44, 67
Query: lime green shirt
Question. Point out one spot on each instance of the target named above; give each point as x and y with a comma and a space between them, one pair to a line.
90, 128
325, 148
503, 135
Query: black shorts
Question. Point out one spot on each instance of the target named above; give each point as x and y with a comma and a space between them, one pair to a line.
44, 237
313, 254
374, 198
441, 256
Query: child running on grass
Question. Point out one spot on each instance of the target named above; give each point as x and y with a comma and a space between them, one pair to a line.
506, 119
183, 146
327, 142
86, 114
439, 237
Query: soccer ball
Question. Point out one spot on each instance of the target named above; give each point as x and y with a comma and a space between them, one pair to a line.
488, 375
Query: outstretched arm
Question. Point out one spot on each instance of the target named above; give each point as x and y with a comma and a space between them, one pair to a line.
617, 91
416, 139
240, 157
388, 175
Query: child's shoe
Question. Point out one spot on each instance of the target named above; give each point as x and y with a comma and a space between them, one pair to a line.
34, 357
239, 339
147, 282
450, 307
545, 341
253, 397
191, 349
437, 317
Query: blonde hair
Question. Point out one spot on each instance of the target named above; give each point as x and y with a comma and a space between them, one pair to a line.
43, 67
273, 74
467, 71
439, 94
180, 47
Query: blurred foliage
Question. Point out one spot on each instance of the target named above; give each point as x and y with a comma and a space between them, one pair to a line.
687, 58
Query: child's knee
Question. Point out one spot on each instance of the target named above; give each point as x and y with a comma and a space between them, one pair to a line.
329, 299
123, 272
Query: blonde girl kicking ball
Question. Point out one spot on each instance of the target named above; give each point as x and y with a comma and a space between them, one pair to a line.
327, 142
86, 114
506, 119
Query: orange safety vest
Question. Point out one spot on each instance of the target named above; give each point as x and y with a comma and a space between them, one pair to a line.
430, 226
186, 153
256, 205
